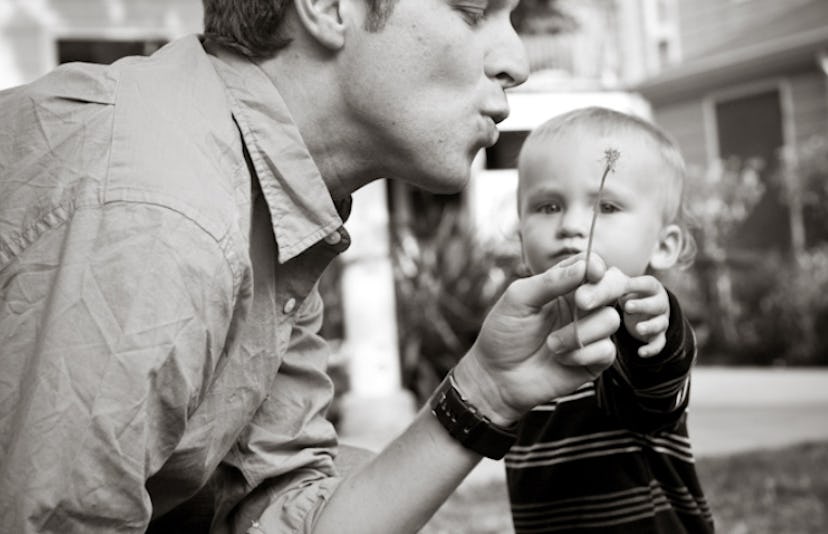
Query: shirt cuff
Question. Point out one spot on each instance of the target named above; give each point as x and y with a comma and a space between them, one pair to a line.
294, 511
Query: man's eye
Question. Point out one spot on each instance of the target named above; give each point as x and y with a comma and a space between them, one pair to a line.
472, 15
609, 207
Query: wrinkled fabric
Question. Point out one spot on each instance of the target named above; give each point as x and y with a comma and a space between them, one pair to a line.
147, 351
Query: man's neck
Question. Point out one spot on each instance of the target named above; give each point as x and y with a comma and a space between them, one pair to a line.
308, 87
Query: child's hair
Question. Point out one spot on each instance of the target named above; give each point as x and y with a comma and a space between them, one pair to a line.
605, 122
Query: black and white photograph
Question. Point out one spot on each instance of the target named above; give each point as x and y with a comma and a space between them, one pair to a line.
414, 266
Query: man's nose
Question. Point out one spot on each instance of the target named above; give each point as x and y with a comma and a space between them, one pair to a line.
506, 59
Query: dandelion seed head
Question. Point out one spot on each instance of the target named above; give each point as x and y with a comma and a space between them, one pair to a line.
611, 156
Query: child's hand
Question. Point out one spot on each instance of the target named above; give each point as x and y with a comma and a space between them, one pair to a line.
646, 313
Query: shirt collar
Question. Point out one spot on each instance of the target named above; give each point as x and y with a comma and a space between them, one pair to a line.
301, 209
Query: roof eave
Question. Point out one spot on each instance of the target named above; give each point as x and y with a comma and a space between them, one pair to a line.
762, 60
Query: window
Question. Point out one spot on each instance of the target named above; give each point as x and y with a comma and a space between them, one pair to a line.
104, 50
751, 127
664, 58
504, 153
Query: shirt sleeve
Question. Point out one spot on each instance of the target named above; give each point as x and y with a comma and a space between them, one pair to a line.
285, 455
111, 326
650, 394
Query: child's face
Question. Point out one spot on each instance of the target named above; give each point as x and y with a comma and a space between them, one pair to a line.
559, 182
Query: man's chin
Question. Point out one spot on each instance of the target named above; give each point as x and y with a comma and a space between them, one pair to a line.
444, 184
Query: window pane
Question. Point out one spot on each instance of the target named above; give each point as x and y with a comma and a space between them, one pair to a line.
104, 51
504, 153
751, 127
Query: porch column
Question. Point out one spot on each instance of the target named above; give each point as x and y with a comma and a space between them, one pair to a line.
377, 407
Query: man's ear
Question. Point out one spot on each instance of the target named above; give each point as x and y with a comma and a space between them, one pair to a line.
666, 250
322, 20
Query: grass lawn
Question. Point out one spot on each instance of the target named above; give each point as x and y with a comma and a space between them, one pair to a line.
780, 491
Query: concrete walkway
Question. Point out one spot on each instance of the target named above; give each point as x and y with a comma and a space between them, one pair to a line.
732, 409
738, 409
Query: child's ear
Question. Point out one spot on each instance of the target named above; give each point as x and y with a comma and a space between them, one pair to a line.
322, 19
666, 251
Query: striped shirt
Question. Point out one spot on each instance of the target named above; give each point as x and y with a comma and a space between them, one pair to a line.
614, 456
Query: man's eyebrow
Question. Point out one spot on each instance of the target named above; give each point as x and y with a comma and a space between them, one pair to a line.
509, 5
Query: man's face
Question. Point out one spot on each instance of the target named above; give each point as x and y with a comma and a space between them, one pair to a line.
425, 92
559, 183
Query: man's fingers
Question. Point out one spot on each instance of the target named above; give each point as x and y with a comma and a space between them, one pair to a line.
605, 291
598, 325
599, 355
538, 290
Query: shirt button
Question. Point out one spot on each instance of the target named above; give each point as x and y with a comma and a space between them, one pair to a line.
289, 305
333, 238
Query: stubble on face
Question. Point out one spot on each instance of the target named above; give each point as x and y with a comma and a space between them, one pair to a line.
419, 100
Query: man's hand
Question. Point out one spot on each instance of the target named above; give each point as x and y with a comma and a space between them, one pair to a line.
527, 352
646, 313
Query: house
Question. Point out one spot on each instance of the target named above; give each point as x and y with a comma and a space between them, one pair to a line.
36, 36
752, 77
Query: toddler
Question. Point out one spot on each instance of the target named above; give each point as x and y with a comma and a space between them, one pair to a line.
615, 455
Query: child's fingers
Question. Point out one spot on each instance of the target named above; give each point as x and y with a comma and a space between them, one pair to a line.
652, 305
653, 326
644, 285
653, 348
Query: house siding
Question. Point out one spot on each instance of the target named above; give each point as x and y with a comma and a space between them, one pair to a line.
706, 24
685, 123
29, 32
810, 105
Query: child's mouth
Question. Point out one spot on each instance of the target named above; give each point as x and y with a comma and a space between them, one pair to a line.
564, 253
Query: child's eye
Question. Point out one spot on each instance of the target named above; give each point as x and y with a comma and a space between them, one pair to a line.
548, 207
609, 207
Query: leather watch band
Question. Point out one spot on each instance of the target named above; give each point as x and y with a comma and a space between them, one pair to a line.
467, 425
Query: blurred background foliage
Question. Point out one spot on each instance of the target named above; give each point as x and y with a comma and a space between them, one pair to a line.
751, 303
446, 281
750, 306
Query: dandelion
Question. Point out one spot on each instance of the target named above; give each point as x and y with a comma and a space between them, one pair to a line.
611, 156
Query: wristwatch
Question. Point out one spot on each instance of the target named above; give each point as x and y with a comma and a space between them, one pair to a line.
467, 425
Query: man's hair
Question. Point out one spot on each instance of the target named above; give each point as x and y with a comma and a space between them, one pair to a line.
253, 27
606, 122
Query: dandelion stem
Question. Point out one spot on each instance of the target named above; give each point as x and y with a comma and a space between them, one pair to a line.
611, 156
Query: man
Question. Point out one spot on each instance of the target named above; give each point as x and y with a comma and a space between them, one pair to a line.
163, 223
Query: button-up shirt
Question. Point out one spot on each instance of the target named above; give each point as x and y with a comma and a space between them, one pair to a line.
162, 230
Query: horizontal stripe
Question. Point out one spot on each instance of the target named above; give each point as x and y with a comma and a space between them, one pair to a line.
587, 390
567, 441
585, 498
679, 496
606, 509
597, 444
593, 524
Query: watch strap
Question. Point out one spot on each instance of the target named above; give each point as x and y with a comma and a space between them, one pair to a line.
467, 425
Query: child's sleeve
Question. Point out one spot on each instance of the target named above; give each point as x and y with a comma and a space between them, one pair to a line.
650, 394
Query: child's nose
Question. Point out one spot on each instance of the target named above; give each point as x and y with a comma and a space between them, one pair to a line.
575, 222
